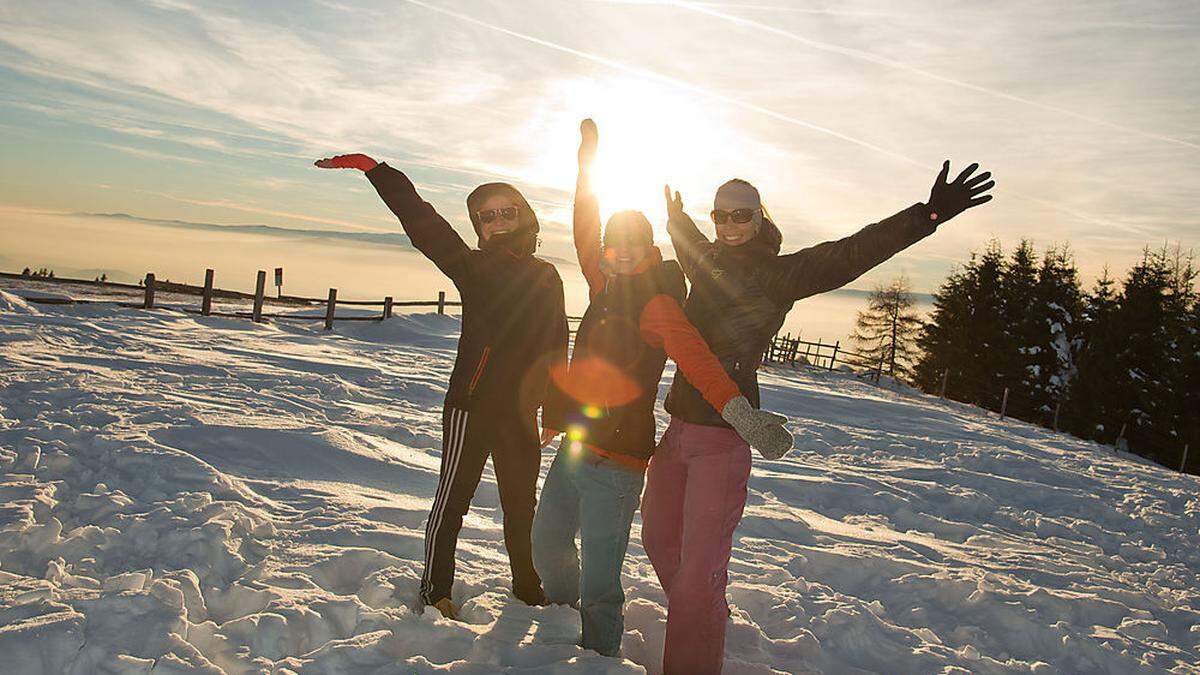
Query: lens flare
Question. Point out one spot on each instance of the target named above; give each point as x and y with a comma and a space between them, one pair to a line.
592, 412
575, 433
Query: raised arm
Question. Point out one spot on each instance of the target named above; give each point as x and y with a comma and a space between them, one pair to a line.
690, 244
587, 211
834, 264
428, 231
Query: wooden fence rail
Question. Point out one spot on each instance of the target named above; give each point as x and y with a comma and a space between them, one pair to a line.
789, 350
151, 287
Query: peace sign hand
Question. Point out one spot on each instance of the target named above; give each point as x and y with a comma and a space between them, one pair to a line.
674, 206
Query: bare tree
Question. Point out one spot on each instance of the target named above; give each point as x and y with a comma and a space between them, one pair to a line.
886, 332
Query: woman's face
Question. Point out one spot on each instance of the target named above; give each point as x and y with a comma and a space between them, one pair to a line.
623, 257
736, 200
497, 215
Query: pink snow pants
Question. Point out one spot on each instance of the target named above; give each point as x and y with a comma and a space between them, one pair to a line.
695, 494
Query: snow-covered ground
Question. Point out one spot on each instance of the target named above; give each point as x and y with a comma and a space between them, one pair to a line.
189, 494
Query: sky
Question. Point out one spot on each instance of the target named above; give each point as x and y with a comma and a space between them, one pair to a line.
136, 133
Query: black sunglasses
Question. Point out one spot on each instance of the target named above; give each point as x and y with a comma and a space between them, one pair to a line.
720, 217
507, 213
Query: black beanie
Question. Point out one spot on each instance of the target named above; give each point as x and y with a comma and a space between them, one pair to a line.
629, 226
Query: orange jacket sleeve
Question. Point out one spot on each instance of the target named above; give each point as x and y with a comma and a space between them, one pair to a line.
664, 325
587, 234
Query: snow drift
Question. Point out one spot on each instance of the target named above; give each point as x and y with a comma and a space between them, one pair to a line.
187, 494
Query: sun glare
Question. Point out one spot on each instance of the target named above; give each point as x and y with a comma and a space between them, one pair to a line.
649, 135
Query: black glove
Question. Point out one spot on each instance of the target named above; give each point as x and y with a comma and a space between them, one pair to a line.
947, 200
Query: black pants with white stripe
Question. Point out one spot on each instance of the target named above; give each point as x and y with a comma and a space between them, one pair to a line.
467, 440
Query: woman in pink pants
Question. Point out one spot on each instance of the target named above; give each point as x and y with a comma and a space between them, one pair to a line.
741, 292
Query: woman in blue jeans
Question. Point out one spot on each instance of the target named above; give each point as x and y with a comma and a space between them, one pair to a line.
605, 402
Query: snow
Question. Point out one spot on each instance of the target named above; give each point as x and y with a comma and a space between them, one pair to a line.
200, 494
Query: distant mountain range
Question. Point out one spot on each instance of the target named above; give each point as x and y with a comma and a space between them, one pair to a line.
384, 238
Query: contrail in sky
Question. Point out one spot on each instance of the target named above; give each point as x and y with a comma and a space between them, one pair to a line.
651, 75
682, 84
710, 10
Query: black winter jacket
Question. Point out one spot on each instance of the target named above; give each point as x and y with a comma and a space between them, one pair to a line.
514, 325
741, 295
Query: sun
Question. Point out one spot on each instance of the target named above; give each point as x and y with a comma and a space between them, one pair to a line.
650, 134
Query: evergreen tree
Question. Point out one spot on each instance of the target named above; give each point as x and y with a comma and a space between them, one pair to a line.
887, 331
1179, 305
1057, 306
1149, 322
984, 380
1189, 400
1093, 403
944, 340
965, 331
1015, 357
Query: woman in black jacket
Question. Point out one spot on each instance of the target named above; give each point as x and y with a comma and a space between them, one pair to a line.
514, 328
741, 292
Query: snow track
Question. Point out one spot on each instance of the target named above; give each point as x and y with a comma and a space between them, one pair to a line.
187, 494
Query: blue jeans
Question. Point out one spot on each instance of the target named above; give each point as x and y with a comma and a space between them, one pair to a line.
595, 498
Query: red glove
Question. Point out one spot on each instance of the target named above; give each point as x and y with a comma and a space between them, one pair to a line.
355, 161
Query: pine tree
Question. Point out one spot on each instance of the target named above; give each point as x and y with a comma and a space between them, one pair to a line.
1015, 358
1092, 403
1144, 321
1179, 305
1189, 400
945, 338
1057, 307
965, 332
887, 331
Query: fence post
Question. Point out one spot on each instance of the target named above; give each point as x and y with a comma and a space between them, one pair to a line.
330, 306
833, 359
1183, 462
260, 287
945, 376
148, 302
206, 301
1057, 407
441, 302
387, 307
1004, 404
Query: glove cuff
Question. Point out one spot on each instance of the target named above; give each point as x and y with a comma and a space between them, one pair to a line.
736, 410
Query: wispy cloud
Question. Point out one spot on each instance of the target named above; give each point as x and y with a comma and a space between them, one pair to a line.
840, 112
380, 238
713, 10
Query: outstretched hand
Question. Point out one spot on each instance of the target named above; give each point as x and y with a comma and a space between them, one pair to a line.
948, 199
589, 139
674, 206
353, 161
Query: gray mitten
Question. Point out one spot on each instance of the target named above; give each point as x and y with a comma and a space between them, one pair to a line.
763, 430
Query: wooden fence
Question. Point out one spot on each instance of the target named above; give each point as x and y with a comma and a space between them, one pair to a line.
819, 354
151, 287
